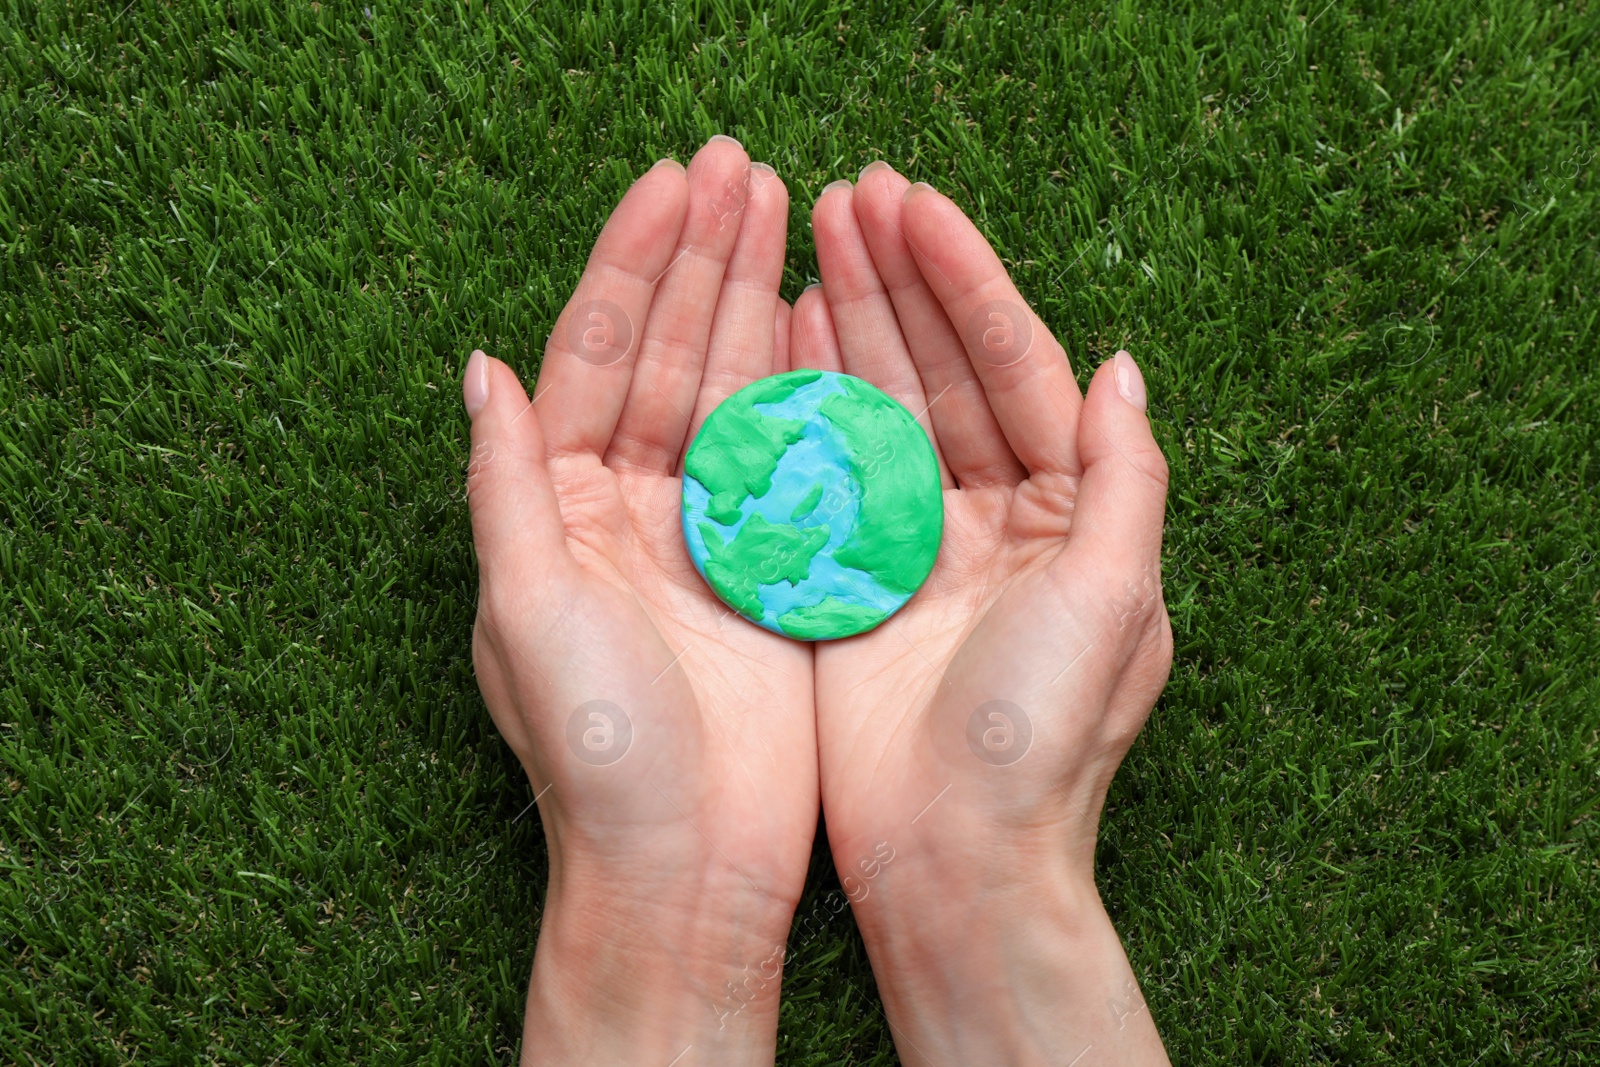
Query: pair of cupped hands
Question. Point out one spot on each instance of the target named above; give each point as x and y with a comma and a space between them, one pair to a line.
961, 751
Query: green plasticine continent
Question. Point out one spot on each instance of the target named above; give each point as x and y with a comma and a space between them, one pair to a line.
896, 536
829, 618
738, 448
760, 554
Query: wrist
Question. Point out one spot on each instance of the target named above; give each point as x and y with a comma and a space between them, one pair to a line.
627, 972
981, 963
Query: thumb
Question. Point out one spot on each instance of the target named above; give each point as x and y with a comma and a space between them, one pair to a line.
1122, 497
516, 522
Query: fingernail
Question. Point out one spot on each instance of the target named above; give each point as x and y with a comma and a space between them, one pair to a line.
724, 139
875, 165
668, 162
764, 169
913, 189
475, 383
807, 289
842, 183
1130, 383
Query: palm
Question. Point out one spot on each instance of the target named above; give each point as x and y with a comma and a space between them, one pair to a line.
974, 590
654, 724
1023, 616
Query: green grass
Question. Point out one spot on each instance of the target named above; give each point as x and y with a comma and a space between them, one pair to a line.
253, 808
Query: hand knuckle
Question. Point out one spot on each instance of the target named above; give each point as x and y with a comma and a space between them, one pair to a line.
1151, 462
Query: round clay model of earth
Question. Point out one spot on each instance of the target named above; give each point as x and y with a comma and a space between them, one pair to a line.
812, 504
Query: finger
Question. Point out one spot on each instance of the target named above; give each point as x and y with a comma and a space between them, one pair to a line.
968, 432
1112, 561
743, 331
516, 522
666, 377
589, 357
1116, 525
1025, 373
780, 337
813, 345
869, 334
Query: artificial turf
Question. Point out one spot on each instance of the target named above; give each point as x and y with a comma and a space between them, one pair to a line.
253, 809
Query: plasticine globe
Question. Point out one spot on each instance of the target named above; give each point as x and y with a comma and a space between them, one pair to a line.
812, 504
